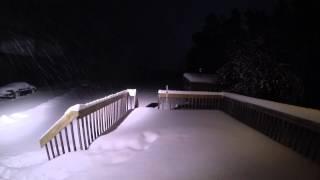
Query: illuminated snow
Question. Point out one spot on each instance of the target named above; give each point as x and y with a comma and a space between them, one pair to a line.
153, 144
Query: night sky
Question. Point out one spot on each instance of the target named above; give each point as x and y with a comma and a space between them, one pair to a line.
144, 34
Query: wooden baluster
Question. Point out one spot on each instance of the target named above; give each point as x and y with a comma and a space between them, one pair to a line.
79, 134
47, 150
108, 117
194, 102
272, 126
206, 99
118, 110
95, 125
262, 123
307, 143
313, 146
61, 141
115, 112
103, 119
57, 147
87, 125
111, 111
276, 128
100, 121
121, 107
300, 146
294, 137
291, 135
67, 138
316, 150
162, 103
52, 151
280, 130
73, 139
127, 96
84, 133
91, 127
125, 104
127, 100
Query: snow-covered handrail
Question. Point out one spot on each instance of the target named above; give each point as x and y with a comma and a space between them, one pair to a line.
294, 126
297, 111
91, 120
171, 99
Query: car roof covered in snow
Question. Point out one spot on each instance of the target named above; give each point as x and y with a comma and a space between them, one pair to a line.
15, 85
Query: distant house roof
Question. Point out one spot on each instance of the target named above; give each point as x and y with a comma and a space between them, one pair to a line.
200, 78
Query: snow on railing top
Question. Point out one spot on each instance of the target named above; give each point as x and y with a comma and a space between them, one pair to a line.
162, 93
296, 111
74, 111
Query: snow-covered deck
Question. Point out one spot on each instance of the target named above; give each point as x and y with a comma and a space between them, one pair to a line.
198, 144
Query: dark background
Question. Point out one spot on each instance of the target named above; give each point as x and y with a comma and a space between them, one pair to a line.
50, 42
140, 37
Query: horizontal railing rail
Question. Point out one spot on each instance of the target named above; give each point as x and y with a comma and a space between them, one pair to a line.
81, 124
296, 127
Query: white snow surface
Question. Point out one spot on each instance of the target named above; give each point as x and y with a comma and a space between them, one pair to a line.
156, 144
23, 121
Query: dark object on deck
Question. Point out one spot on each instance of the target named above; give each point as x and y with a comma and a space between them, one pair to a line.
153, 105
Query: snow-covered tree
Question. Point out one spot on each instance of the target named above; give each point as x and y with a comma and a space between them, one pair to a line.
254, 72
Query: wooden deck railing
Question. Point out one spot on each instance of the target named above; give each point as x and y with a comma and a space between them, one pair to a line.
296, 127
81, 124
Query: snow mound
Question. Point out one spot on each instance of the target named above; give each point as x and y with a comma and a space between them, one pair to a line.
132, 141
105, 151
25, 160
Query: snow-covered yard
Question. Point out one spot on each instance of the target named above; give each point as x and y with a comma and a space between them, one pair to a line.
155, 144
24, 120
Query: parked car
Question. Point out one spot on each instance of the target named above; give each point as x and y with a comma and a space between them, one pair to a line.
13, 90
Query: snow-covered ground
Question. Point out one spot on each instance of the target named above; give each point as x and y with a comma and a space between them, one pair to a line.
155, 144
24, 120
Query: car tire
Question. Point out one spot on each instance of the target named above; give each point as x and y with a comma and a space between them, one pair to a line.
13, 95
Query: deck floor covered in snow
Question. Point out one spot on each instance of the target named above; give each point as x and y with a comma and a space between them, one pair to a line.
207, 145
179, 145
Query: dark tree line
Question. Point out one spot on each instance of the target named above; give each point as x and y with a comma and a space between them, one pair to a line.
282, 46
